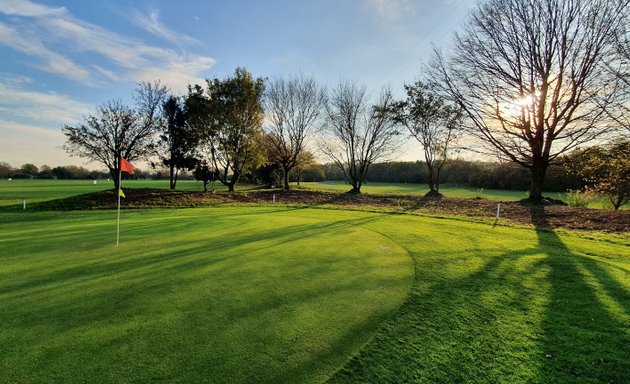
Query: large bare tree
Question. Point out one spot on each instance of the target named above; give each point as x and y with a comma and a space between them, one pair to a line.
116, 130
530, 77
292, 107
358, 133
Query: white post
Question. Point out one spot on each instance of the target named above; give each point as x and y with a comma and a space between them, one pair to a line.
274, 198
118, 193
498, 211
24, 205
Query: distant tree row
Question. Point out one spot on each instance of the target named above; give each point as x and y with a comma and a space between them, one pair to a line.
477, 174
31, 171
73, 172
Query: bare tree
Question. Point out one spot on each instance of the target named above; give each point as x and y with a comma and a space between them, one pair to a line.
618, 107
529, 76
433, 123
116, 130
358, 134
293, 107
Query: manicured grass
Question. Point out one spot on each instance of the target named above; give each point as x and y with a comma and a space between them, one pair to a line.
279, 294
207, 295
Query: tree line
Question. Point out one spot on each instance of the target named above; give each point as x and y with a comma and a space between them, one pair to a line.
529, 82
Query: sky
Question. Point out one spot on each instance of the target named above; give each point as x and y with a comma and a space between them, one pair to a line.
61, 59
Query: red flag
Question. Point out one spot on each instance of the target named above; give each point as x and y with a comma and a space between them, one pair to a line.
126, 166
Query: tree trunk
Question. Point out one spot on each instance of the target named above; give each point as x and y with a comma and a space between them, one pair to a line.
114, 175
286, 178
431, 179
171, 175
616, 201
538, 177
205, 185
437, 180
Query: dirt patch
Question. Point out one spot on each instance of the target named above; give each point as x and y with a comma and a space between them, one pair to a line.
547, 215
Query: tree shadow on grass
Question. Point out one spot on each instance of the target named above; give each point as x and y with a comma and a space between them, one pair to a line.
504, 323
583, 340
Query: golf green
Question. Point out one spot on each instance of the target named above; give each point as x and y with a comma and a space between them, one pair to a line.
214, 295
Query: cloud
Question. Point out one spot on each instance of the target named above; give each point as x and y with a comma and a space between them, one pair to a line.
52, 108
28, 9
390, 10
51, 61
119, 57
151, 24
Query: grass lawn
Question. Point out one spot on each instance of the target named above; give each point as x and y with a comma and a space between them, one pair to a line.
278, 294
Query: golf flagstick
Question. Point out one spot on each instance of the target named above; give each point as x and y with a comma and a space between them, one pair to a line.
118, 193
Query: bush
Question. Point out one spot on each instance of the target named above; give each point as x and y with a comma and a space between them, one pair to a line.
581, 199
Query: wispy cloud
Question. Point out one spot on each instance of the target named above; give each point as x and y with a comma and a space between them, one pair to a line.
390, 10
51, 108
151, 23
29, 9
50, 61
119, 57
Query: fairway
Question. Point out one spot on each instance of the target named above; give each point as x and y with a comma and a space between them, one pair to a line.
279, 294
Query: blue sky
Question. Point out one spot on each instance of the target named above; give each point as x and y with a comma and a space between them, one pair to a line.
60, 59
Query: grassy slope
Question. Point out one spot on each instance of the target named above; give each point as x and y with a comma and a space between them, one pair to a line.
16, 191
216, 295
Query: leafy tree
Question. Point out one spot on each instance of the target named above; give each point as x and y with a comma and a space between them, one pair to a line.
306, 161
206, 174
433, 123
29, 170
70, 172
605, 169
5, 169
177, 140
45, 172
293, 107
358, 134
116, 130
229, 115
530, 77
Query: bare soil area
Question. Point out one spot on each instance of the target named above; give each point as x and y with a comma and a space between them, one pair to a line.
546, 215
